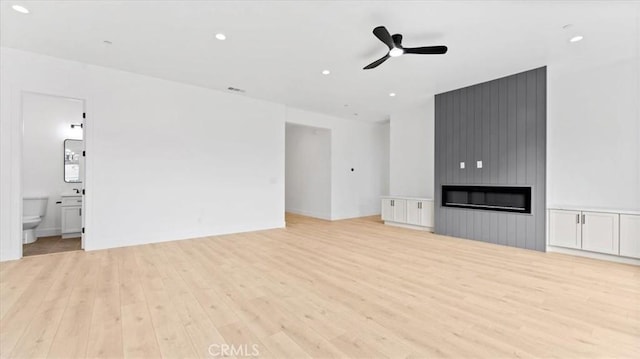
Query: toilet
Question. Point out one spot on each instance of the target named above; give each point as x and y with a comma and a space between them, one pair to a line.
33, 209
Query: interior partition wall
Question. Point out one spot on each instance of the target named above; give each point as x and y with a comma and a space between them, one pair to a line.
490, 140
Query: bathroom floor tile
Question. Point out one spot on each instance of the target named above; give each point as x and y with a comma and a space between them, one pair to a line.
54, 244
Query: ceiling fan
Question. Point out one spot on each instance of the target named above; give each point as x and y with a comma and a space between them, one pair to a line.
395, 47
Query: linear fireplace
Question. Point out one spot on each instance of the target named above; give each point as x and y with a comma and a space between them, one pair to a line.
492, 198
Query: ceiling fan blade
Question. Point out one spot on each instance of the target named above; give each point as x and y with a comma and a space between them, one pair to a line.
427, 50
383, 35
377, 62
397, 40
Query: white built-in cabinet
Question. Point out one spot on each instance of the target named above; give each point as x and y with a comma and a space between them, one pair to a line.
630, 235
408, 211
594, 231
565, 229
420, 212
600, 232
394, 210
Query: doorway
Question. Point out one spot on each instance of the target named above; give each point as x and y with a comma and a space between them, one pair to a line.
308, 171
52, 173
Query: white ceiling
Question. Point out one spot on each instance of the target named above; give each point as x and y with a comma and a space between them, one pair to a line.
276, 50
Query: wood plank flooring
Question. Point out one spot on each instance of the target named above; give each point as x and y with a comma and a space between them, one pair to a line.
53, 244
352, 288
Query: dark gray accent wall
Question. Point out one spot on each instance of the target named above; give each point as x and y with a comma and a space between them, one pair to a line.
503, 124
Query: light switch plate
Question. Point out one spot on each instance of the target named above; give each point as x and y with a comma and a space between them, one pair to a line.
479, 164
461, 165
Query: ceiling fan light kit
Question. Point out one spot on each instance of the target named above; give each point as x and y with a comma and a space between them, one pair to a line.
394, 43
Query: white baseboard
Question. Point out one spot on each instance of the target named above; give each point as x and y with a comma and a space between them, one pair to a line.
48, 232
593, 255
409, 226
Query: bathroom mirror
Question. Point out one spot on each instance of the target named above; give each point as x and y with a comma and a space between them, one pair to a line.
72, 153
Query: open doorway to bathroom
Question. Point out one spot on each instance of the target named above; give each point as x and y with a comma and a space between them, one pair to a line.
52, 173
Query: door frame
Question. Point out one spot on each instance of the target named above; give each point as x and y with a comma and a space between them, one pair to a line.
17, 158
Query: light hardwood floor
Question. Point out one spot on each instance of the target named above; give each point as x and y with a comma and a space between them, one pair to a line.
352, 288
54, 244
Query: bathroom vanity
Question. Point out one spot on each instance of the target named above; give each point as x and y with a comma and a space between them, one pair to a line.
71, 215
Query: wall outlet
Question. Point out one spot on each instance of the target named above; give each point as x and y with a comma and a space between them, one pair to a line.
479, 164
461, 165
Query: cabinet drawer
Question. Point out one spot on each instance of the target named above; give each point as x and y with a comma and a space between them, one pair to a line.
72, 201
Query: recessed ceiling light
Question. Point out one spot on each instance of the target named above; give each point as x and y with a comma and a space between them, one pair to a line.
20, 9
221, 37
326, 72
392, 94
576, 38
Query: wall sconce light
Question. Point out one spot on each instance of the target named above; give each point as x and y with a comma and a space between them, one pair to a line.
73, 125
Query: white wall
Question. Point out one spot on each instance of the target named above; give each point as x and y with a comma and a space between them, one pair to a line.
308, 171
593, 138
354, 144
412, 157
165, 160
47, 123
593, 135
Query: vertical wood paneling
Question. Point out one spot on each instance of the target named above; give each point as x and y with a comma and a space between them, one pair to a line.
485, 172
477, 133
511, 230
494, 118
463, 134
511, 129
469, 215
521, 129
531, 160
463, 173
503, 124
450, 158
456, 140
541, 156
503, 154
486, 138
439, 163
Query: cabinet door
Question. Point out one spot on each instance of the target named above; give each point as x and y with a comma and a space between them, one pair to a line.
71, 221
426, 213
400, 210
387, 210
565, 228
413, 212
600, 232
630, 235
